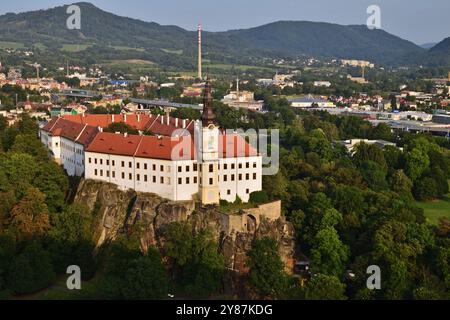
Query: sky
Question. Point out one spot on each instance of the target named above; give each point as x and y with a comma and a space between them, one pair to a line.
416, 20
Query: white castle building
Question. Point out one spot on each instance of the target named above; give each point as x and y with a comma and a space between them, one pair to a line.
183, 160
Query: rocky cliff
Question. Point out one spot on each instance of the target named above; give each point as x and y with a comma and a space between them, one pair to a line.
118, 211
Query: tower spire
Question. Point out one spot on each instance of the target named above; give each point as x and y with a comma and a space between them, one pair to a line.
208, 116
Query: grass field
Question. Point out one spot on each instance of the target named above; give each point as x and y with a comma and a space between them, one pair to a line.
75, 47
436, 209
11, 45
123, 48
178, 52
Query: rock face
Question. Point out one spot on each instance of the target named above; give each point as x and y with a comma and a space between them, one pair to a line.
118, 211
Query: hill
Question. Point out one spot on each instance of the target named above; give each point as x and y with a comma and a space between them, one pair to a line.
439, 55
105, 36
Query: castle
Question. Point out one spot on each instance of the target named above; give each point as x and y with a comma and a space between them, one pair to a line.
177, 159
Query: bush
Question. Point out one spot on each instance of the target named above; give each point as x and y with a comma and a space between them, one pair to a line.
425, 189
31, 271
259, 197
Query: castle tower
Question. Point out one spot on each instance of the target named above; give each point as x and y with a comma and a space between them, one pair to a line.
208, 148
200, 72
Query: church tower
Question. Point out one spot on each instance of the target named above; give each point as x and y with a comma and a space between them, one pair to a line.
208, 148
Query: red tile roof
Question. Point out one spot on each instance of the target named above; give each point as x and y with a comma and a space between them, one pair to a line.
84, 130
81, 133
165, 148
155, 124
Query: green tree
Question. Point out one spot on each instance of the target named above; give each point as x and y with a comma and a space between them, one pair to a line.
266, 268
145, 278
29, 217
53, 182
31, 270
417, 163
328, 254
401, 184
324, 287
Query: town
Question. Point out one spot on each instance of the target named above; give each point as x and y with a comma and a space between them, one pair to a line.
270, 163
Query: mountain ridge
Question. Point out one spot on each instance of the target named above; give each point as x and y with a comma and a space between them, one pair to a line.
103, 32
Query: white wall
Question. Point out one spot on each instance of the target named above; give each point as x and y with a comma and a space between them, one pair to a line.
243, 188
170, 187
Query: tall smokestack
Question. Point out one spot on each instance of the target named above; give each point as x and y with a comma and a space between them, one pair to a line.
200, 73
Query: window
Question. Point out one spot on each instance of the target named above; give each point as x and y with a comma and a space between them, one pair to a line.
114, 163
211, 181
154, 167
107, 173
240, 165
195, 167
130, 176
247, 165
101, 173
113, 174
211, 168
225, 166
228, 192
138, 177
95, 172
180, 169
254, 176
225, 178
95, 160
107, 162
195, 180
161, 180
188, 181
101, 161
232, 177
188, 168
247, 176
180, 181
138, 165
233, 166
247, 191
145, 166
123, 164
90, 160
130, 164
162, 168
123, 175
240, 177
255, 165
154, 179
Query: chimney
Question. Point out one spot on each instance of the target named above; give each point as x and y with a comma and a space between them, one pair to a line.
200, 73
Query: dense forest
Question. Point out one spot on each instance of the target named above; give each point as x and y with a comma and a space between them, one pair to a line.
349, 211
